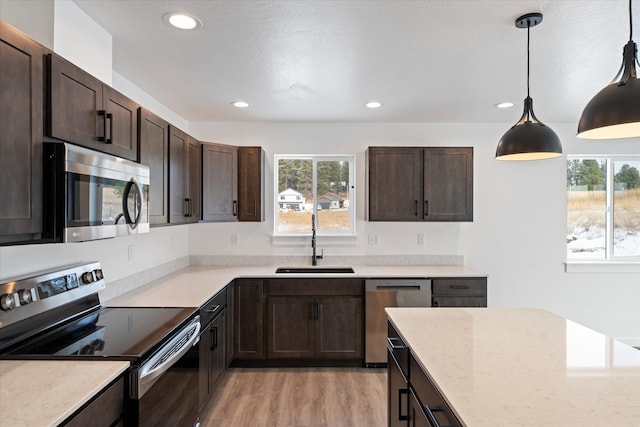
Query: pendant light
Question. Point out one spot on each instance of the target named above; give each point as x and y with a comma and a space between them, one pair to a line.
529, 138
615, 111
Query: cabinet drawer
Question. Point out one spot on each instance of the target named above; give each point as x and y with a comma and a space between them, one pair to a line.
315, 287
429, 398
398, 349
213, 307
460, 286
459, 301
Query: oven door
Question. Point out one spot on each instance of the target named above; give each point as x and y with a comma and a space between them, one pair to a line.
164, 388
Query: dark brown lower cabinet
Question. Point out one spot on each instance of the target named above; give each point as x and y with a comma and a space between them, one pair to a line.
314, 319
398, 393
417, 417
339, 327
248, 318
106, 409
459, 292
432, 410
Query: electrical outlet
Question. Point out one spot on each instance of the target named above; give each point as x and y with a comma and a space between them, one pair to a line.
373, 239
420, 239
130, 252
235, 239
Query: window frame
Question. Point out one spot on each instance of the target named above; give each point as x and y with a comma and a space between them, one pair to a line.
315, 158
609, 257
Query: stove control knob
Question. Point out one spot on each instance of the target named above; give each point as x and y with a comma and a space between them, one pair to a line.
7, 302
98, 274
87, 277
25, 296
87, 349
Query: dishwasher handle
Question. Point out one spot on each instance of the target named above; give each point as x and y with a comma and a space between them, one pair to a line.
372, 285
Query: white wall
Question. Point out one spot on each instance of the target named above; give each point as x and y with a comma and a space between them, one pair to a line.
159, 246
79, 39
34, 18
519, 228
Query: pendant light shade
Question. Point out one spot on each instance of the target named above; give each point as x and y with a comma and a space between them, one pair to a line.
529, 138
615, 111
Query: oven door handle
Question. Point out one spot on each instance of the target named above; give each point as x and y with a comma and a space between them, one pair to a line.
170, 353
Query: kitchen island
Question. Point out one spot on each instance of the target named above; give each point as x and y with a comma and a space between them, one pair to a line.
522, 367
47, 392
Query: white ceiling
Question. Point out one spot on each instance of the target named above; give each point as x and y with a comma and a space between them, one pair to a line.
426, 61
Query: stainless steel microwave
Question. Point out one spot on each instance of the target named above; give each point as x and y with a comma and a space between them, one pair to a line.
90, 195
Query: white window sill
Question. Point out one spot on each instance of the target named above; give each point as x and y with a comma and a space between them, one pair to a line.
321, 240
601, 267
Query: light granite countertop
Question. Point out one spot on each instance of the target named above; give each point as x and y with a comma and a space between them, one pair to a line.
523, 367
46, 392
193, 286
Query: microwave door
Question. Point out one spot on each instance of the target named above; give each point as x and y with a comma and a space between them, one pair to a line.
132, 203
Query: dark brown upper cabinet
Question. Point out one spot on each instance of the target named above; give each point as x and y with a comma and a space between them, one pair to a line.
250, 184
153, 145
219, 182
184, 177
21, 106
420, 183
83, 110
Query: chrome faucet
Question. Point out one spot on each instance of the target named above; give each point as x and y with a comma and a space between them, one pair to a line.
314, 258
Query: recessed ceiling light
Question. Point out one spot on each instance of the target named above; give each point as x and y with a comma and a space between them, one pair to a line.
504, 104
184, 21
373, 104
240, 104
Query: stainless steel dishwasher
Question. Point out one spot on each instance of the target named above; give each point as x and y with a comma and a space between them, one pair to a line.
382, 293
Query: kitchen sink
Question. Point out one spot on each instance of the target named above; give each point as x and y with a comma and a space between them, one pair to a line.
312, 270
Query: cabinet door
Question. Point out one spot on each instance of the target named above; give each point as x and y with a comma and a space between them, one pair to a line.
290, 327
248, 318
219, 182
395, 184
104, 410
218, 349
122, 124
21, 106
230, 324
154, 152
448, 184
75, 98
417, 417
339, 327
178, 199
397, 394
250, 184
194, 180
204, 363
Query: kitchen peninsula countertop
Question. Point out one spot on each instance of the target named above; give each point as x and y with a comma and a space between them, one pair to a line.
193, 286
523, 367
46, 392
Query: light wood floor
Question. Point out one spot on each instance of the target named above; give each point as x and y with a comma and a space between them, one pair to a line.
299, 397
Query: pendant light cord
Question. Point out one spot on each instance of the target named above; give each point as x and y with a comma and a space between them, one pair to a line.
528, 29
630, 23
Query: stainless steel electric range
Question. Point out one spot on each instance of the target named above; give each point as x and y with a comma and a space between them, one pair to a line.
58, 314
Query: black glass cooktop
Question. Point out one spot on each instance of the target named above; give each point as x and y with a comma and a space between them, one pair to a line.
128, 333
